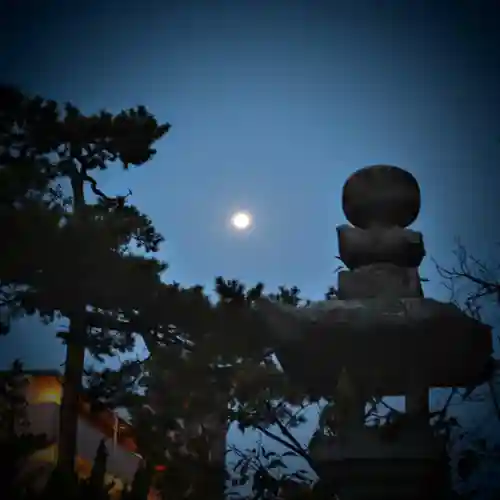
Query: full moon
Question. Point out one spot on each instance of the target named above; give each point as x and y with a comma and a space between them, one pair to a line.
241, 220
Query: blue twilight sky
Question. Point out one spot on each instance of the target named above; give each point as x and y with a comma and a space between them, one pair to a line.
273, 105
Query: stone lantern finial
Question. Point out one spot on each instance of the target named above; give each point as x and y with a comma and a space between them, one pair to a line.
381, 196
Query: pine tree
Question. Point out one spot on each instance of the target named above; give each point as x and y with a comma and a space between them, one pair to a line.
68, 257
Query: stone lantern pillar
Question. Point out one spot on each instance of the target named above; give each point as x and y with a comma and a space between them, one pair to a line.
381, 254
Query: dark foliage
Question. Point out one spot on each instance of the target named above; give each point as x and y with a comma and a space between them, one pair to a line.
64, 256
17, 442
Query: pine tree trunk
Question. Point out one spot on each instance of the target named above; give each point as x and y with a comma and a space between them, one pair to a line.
68, 414
74, 363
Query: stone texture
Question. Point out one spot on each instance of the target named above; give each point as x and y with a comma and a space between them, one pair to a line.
381, 195
359, 247
389, 346
387, 479
379, 280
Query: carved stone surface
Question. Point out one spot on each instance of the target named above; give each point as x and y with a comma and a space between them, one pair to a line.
387, 479
381, 196
387, 345
379, 280
374, 464
358, 247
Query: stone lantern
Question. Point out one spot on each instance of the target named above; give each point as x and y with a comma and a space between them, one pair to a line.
387, 337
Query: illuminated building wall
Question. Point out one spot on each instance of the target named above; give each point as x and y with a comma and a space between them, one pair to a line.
44, 398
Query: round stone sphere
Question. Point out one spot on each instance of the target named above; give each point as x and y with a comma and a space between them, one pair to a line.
381, 196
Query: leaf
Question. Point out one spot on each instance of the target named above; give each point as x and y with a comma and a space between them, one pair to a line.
301, 475
239, 463
277, 462
243, 479
245, 467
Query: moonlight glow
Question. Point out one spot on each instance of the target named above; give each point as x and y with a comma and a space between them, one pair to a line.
241, 220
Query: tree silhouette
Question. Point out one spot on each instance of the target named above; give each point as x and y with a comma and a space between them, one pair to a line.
65, 256
474, 286
210, 363
213, 364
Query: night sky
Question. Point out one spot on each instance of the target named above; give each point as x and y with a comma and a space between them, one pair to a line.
273, 105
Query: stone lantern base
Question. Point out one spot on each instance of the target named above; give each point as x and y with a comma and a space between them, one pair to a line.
365, 464
213, 482
387, 479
